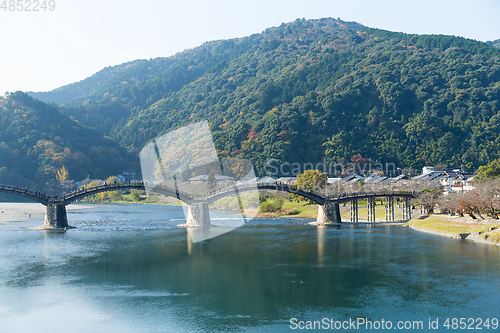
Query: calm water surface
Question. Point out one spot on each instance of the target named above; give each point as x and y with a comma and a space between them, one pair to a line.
128, 268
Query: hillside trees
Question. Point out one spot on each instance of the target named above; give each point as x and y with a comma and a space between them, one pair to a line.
311, 181
315, 89
488, 172
37, 142
483, 199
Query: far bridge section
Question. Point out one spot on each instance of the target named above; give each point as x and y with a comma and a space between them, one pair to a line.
328, 205
370, 197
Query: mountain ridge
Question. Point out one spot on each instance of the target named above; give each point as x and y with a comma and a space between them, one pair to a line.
36, 140
157, 66
314, 89
495, 43
118, 72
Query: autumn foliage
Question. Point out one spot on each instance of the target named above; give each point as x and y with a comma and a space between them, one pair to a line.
484, 199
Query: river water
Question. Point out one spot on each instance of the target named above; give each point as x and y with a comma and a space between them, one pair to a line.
128, 268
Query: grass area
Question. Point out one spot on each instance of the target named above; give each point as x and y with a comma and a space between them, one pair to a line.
443, 224
493, 236
304, 209
345, 211
309, 210
379, 213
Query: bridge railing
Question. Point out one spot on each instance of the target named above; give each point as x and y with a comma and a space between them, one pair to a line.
298, 190
182, 194
86, 190
343, 195
25, 191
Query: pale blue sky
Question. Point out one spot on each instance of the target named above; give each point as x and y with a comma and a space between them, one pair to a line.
44, 50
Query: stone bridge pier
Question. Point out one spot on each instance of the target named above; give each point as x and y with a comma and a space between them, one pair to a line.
55, 216
328, 214
198, 215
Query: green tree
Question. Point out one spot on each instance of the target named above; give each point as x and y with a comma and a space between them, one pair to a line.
135, 195
212, 184
310, 180
491, 170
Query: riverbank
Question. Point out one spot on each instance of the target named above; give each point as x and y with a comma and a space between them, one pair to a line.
20, 211
482, 231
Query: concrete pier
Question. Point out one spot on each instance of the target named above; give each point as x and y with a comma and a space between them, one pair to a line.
55, 216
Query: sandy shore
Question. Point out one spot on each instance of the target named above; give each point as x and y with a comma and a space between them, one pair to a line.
15, 211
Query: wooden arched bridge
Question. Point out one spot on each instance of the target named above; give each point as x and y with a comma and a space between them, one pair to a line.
198, 216
55, 211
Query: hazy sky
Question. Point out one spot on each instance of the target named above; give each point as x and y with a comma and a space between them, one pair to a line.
44, 50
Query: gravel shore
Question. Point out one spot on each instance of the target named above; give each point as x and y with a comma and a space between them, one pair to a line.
16, 211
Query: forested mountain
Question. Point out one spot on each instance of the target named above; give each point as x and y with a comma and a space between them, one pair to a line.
312, 89
495, 43
105, 81
164, 75
36, 140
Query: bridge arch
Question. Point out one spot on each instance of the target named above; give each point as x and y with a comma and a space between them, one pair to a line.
31, 195
317, 198
85, 192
